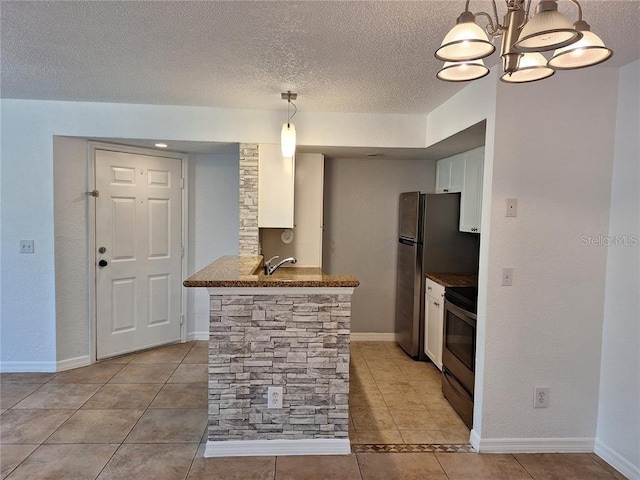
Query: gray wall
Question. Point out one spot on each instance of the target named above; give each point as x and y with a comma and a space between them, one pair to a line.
360, 234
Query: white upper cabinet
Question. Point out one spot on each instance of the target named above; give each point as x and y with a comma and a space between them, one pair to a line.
463, 173
276, 179
471, 199
450, 174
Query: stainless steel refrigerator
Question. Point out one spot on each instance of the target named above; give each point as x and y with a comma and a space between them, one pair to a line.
428, 241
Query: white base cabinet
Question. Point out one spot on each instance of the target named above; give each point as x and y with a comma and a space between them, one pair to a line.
434, 321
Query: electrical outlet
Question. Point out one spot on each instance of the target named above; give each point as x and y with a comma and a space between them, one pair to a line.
541, 397
507, 277
512, 207
26, 246
274, 397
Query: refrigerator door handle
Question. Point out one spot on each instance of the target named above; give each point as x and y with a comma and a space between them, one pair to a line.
406, 241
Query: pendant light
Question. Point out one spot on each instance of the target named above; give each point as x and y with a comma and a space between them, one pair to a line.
532, 67
588, 51
463, 71
288, 133
466, 41
523, 38
547, 30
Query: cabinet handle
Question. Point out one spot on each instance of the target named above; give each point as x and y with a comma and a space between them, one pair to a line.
445, 189
428, 288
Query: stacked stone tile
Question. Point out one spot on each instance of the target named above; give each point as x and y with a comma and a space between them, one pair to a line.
249, 236
297, 341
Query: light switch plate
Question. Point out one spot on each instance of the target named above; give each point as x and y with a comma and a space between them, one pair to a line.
512, 207
507, 277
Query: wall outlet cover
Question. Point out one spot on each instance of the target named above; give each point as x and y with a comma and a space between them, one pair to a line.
274, 397
541, 397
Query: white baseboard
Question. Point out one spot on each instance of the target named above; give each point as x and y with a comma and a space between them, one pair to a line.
617, 461
18, 367
197, 336
76, 362
258, 448
373, 337
531, 445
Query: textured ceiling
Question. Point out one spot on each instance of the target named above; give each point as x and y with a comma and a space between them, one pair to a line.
364, 56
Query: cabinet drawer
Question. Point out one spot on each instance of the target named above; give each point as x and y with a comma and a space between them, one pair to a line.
434, 289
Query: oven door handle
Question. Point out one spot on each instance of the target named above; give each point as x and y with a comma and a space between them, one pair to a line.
464, 315
456, 386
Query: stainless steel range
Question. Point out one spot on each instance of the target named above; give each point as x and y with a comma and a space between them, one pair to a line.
459, 350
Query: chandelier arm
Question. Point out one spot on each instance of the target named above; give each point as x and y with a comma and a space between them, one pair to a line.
491, 28
575, 2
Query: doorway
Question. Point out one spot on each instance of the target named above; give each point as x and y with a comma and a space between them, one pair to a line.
138, 249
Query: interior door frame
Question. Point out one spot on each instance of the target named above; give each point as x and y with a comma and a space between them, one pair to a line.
93, 147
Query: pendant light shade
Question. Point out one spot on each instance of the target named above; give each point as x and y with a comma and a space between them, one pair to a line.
463, 71
466, 41
588, 51
547, 30
288, 140
532, 67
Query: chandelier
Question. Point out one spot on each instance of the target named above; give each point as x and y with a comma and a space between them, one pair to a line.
288, 132
523, 40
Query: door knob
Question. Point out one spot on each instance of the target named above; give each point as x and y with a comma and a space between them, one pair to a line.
103, 263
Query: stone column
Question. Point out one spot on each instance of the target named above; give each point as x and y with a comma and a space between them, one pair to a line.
249, 235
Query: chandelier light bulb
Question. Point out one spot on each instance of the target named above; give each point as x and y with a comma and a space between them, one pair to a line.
288, 140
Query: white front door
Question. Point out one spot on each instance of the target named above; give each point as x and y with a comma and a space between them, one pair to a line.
138, 251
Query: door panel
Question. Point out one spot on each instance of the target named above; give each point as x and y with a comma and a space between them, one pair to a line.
138, 275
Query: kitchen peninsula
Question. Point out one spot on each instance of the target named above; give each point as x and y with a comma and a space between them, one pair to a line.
290, 330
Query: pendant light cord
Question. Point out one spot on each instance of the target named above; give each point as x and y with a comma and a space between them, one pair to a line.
289, 112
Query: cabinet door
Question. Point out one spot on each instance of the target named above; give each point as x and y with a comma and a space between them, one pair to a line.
471, 199
308, 209
450, 174
276, 176
434, 330
443, 175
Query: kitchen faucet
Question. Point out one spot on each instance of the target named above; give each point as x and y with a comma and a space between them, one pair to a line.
269, 270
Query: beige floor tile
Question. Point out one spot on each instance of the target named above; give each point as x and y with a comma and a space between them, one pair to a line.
190, 373
372, 420
398, 386
303, 467
156, 462
197, 355
12, 455
169, 426
359, 386
427, 386
415, 372
181, 395
366, 401
144, 373
59, 396
96, 426
96, 373
26, 377
403, 401
128, 396
233, 468
446, 421
490, 467
388, 375
377, 436
423, 436
201, 344
400, 466
119, 359
64, 462
413, 420
30, 426
172, 354
457, 434
575, 466
12, 393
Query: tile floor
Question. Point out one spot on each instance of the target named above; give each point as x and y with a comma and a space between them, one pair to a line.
143, 416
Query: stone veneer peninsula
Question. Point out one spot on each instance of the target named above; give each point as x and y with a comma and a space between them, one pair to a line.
290, 329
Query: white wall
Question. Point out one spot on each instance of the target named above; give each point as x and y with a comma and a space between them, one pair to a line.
545, 330
618, 435
28, 282
361, 230
214, 224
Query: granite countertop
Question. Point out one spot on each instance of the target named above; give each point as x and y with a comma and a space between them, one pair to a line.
246, 271
454, 279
